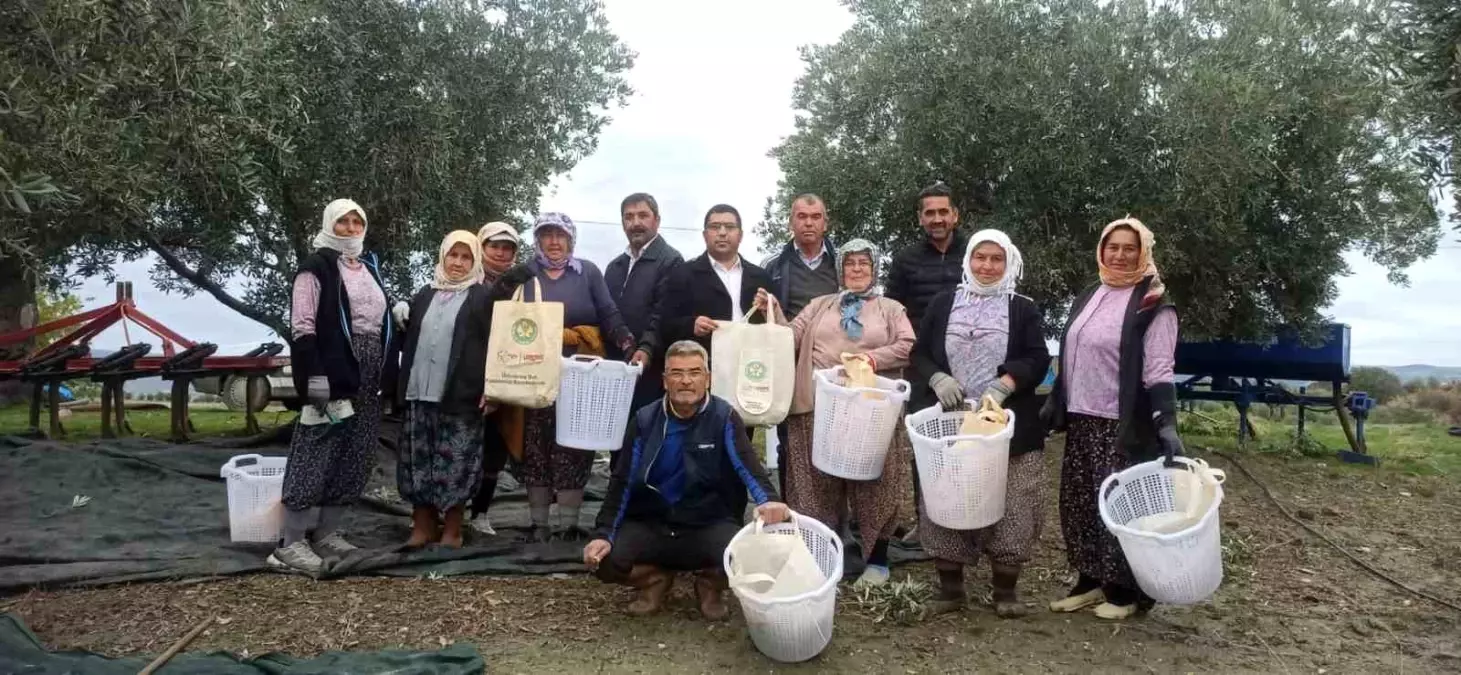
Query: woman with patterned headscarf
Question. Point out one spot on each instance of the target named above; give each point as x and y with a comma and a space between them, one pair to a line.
341, 328
439, 387
1115, 398
983, 339
856, 320
591, 320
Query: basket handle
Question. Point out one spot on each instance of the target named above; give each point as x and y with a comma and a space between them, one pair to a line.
239, 461
585, 358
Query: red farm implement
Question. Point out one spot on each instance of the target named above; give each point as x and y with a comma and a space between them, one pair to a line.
181, 362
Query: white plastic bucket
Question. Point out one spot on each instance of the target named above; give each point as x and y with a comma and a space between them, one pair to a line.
595, 397
795, 628
962, 477
1180, 568
255, 486
854, 426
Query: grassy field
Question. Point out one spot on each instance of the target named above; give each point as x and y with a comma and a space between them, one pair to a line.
1420, 447
210, 420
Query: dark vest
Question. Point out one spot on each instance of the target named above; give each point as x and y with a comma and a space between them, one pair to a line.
713, 491
804, 284
329, 352
1137, 432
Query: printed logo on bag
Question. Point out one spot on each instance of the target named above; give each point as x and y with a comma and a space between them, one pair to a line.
524, 331
755, 371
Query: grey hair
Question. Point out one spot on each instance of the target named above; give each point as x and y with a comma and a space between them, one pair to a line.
687, 348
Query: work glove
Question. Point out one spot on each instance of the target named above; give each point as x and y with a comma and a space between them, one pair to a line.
401, 312
948, 390
1163, 396
1167, 436
999, 391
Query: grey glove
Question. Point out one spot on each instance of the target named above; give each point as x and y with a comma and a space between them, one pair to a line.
318, 392
1167, 436
950, 393
999, 391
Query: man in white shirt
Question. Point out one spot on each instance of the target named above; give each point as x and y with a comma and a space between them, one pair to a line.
716, 286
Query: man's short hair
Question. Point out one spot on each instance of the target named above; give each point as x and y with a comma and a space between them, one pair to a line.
938, 189
809, 198
687, 348
640, 198
722, 208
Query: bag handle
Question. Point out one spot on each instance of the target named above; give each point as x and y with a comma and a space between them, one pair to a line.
791, 517
517, 295
989, 411
767, 311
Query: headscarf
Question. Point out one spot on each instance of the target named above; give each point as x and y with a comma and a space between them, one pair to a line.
563, 222
496, 231
441, 281
1014, 268
350, 247
1146, 265
851, 302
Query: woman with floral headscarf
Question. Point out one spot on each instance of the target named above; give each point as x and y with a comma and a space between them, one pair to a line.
440, 388
856, 320
590, 321
340, 326
984, 339
1114, 397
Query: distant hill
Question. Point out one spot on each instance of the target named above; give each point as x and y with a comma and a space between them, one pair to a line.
1412, 373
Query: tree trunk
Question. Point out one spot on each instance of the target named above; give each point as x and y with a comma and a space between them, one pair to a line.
17, 312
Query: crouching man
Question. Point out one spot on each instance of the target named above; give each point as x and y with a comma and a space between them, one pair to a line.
678, 498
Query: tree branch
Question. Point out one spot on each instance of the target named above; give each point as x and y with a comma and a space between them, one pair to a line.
202, 281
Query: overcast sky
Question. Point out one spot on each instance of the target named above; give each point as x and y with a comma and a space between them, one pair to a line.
713, 86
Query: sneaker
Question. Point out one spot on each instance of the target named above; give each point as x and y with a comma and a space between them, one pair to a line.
482, 524
334, 546
873, 575
297, 557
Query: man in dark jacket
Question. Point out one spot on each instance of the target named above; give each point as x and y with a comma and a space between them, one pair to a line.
806, 267
675, 504
716, 286
933, 265
638, 282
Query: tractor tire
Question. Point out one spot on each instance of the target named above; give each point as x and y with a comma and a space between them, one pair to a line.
234, 391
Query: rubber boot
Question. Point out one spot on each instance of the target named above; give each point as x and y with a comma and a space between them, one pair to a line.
1007, 603
653, 584
709, 592
951, 594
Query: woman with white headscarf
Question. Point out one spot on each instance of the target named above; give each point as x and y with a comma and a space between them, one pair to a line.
855, 320
340, 330
439, 386
983, 339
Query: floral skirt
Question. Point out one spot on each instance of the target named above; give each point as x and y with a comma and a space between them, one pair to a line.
329, 464
874, 502
545, 463
441, 456
1091, 454
1013, 539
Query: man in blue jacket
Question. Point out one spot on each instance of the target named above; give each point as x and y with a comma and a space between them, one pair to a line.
680, 496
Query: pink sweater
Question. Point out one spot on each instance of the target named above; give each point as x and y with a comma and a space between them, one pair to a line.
367, 301
1091, 355
887, 337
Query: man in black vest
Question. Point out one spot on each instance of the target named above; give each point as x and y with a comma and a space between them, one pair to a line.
933, 265
638, 282
675, 504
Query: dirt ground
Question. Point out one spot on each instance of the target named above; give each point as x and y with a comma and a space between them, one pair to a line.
1289, 604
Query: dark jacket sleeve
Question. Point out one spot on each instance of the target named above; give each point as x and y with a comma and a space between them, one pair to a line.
611, 322
897, 288
747, 464
1029, 363
616, 496
933, 326
652, 341
760, 278
677, 321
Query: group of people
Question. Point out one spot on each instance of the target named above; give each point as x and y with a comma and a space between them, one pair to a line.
948, 318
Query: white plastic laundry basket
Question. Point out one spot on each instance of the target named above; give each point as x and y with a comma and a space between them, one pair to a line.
962, 477
594, 401
854, 426
255, 485
796, 628
1180, 568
